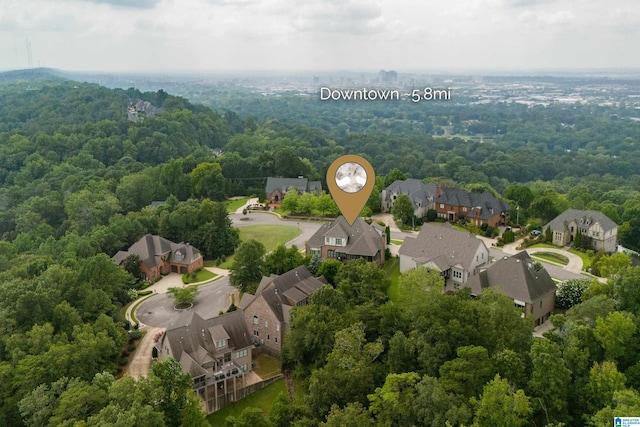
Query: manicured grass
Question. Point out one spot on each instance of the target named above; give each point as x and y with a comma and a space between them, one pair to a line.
269, 235
267, 366
552, 257
262, 399
233, 205
396, 242
200, 276
586, 260
543, 245
392, 270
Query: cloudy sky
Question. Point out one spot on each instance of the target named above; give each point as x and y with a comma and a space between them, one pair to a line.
441, 35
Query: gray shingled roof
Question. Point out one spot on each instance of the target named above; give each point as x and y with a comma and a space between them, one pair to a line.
192, 334
362, 239
286, 290
443, 246
301, 184
419, 193
517, 277
150, 249
488, 204
561, 222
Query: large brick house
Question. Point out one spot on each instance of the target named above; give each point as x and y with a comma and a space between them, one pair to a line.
276, 188
453, 204
421, 195
595, 225
266, 314
339, 240
531, 288
457, 255
216, 352
161, 256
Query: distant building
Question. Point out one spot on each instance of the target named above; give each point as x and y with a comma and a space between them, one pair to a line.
532, 289
161, 256
422, 195
595, 225
388, 77
457, 255
276, 188
344, 242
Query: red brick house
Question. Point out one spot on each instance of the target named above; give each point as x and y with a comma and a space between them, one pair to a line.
161, 256
276, 188
453, 204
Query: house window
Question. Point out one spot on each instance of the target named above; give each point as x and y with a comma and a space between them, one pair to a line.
276, 339
464, 209
457, 274
338, 241
266, 323
256, 333
244, 367
331, 253
241, 353
227, 357
268, 337
327, 241
221, 344
255, 320
441, 205
277, 327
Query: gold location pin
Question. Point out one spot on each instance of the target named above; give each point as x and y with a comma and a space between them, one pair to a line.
350, 180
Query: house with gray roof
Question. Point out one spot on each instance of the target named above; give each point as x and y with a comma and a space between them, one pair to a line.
422, 195
276, 188
266, 314
453, 204
457, 255
161, 256
595, 225
520, 278
339, 240
216, 352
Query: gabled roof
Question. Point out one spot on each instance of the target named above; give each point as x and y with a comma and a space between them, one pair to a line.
419, 193
301, 184
150, 249
362, 239
196, 336
588, 217
443, 246
284, 291
482, 205
517, 277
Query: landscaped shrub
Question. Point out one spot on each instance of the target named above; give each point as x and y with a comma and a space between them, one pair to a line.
508, 237
135, 334
570, 292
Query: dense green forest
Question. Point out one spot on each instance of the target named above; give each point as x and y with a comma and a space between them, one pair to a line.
77, 176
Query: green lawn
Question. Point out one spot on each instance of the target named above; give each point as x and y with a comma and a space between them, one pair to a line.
233, 205
552, 257
262, 399
200, 276
543, 245
392, 269
396, 242
270, 235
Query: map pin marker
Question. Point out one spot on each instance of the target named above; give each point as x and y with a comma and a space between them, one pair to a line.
350, 180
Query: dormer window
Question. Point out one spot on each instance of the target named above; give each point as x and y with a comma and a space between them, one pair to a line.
221, 343
338, 241
179, 256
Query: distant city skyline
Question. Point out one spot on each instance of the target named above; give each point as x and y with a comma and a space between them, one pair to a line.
402, 35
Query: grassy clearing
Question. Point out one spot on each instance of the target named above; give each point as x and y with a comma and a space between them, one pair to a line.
392, 270
543, 245
267, 366
396, 242
269, 235
262, 399
233, 205
199, 276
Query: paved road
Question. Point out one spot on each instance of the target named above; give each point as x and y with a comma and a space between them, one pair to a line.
139, 366
158, 310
